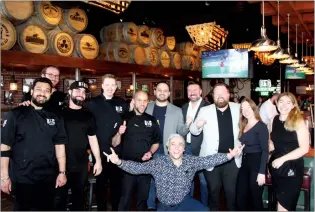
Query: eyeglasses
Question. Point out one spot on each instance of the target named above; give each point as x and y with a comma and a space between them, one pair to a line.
52, 75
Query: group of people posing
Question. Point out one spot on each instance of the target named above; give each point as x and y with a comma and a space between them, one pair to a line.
150, 150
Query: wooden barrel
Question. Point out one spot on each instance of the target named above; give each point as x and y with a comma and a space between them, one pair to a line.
8, 34
32, 38
165, 59
170, 43
16, 11
157, 37
137, 54
187, 48
176, 60
60, 43
152, 56
143, 35
124, 32
115, 51
74, 21
85, 46
188, 63
46, 14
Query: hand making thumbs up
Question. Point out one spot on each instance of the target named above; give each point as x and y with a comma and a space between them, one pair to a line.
122, 128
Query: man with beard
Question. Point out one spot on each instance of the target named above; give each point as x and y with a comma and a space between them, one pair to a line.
170, 120
141, 140
193, 143
108, 111
268, 109
81, 130
33, 140
219, 123
57, 97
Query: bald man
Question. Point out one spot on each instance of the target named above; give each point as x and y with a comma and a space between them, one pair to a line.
140, 141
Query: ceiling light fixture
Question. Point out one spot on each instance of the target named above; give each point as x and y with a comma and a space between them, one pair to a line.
288, 60
113, 6
280, 53
263, 44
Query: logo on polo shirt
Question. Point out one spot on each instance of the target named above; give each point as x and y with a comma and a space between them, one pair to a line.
119, 109
148, 123
4, 123
51, 122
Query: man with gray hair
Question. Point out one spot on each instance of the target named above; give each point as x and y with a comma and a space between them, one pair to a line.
173, 173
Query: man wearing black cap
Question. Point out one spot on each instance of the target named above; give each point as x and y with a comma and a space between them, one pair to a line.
81, 130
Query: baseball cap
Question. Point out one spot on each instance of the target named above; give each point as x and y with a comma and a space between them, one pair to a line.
79, 84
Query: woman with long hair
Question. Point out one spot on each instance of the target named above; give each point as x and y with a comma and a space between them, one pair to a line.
251, 177
289, 142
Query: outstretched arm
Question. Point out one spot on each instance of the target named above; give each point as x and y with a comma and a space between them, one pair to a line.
131, 167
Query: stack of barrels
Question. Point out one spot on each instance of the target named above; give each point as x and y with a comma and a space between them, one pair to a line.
126, 42
191, 56
41, 27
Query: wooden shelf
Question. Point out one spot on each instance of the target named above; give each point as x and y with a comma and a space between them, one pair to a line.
34, 62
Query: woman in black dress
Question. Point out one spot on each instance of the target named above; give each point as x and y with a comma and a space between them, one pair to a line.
251, 176
289, 142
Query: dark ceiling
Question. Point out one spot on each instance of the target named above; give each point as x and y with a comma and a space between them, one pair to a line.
241, 19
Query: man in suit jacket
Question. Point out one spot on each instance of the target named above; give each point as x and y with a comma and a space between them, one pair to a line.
219, 123
193, 142
170, 119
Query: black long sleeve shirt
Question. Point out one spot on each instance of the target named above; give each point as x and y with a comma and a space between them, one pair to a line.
256, 140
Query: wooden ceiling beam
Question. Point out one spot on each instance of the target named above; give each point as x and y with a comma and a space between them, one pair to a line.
284, 28
301, 19
282, 15
289, 6
306, 18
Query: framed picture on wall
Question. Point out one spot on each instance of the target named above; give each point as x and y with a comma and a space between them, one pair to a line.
27, 84
145, 88
66, 84
128, 93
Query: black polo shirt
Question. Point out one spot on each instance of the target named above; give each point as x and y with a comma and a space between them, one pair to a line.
79, 124
107, 121
118, 104
142, 132
32, 135
225, 125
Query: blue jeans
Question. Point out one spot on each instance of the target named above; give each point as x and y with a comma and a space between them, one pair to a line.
152, 193
188, 204
202, 179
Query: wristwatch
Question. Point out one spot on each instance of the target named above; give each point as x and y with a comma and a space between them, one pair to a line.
62, 172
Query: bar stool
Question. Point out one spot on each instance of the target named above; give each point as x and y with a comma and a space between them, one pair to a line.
306, 188
92, 181
271, 194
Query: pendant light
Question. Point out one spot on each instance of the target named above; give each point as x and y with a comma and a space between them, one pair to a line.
310, 71
263, 44
305, 67
279, 53
288, 60
297, 64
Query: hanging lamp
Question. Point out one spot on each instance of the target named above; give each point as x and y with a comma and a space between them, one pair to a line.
297, 64
288, 60
280, 53
305, 67
263, 44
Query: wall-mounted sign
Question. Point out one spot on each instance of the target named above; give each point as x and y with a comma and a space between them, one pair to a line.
265, 87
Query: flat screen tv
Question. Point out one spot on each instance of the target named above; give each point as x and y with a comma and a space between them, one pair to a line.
227, 63
293, 73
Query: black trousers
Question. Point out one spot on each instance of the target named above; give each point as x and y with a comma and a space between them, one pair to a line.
76, 181
34, 197
130, 183
226, 175
248, 192
111, 175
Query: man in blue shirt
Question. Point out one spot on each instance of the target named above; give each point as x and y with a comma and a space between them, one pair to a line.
174, 173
